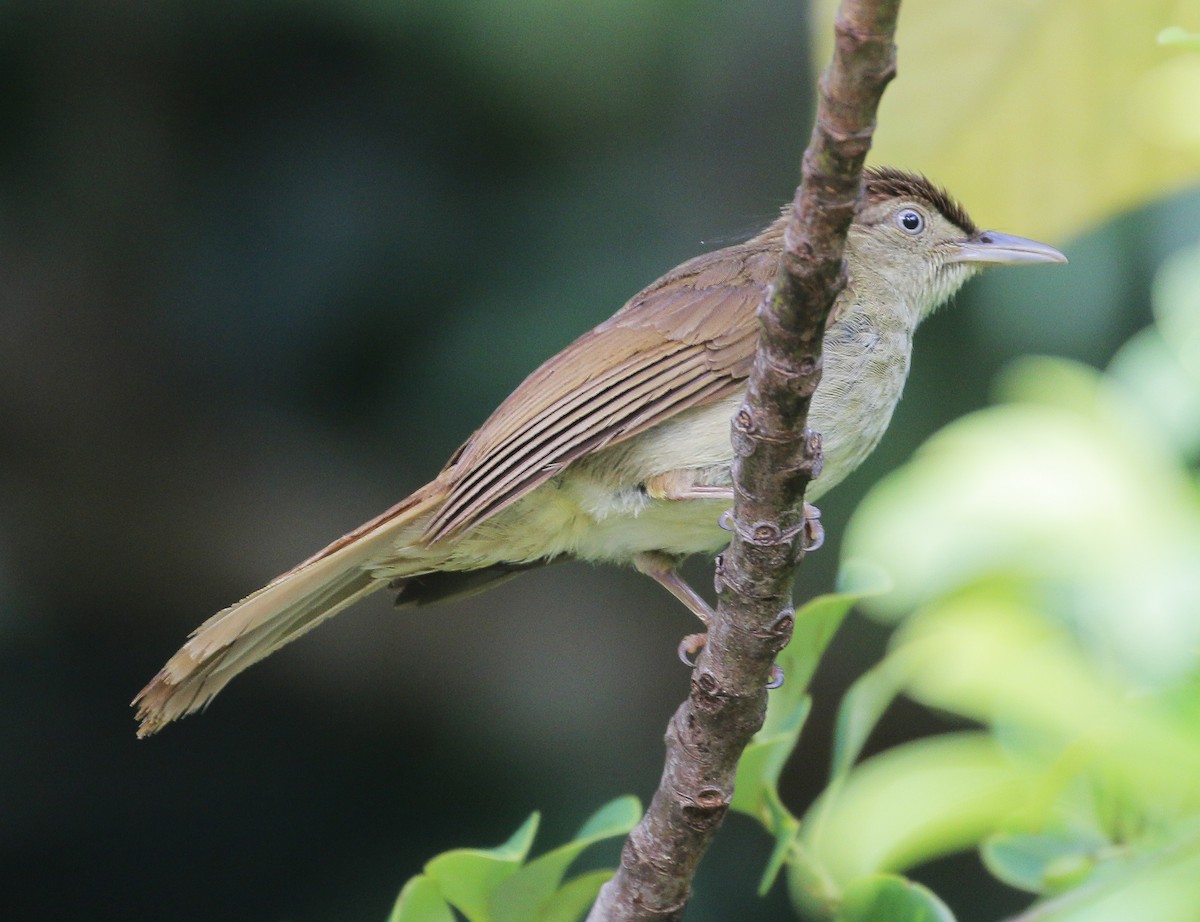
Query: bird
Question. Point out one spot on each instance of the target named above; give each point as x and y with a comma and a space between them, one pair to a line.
617, 449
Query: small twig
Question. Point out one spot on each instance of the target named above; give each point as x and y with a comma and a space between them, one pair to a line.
776, 457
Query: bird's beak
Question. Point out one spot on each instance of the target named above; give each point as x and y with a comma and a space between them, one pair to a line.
996, 249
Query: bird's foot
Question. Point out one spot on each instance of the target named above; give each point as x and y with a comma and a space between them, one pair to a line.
661, 568
690, 647
814, 531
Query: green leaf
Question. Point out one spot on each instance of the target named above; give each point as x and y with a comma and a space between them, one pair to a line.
1162, 885
615, 818
1044, 863
575, 897
420, 901
1176, 296
1167, 390
816, 623
525, 894
891, 898
998, 660
786, 829
1051, 529
913, 803
756, 786
467, 878
491, 885
1078, 111
862, 707
763, 760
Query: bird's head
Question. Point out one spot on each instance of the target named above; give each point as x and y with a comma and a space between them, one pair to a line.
917, 245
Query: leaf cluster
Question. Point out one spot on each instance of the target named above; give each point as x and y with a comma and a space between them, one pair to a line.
1045, 561
503, 884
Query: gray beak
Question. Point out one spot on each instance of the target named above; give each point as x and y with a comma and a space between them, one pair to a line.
995, 249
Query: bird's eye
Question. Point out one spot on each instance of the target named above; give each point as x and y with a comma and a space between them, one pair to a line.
911, 221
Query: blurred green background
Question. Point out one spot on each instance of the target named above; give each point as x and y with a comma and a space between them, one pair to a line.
262, 267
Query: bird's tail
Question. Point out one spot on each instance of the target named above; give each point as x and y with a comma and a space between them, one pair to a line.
284, 609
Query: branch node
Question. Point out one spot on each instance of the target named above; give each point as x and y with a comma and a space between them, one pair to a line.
724, 579
845, 28
706, 810
766, 533
810, 456
782, 628
745, 422
855, 143
799, 374
708, 685
747, 430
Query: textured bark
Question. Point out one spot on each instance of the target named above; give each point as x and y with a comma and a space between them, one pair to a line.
776, 457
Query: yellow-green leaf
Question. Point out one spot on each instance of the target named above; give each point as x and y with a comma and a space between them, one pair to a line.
467, 877
574, 897
1041, 863
421, 901
912, 803
890, 897
529, 891
1045, 118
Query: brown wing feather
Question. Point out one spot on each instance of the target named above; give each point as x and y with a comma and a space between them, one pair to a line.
686, 340
622, 411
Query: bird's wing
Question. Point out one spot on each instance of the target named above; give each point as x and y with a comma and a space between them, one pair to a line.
686, 340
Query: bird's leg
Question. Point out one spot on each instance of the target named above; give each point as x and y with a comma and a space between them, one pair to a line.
677, 486
680, 485
695, 491
660, 567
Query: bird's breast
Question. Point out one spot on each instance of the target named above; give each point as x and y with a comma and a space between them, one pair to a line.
866, 363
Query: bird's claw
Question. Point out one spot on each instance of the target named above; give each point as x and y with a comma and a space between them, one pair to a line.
689, 647
814, 531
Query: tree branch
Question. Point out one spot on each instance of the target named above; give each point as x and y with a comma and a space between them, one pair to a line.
775, 458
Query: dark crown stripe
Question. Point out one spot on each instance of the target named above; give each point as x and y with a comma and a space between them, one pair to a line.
885, 182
